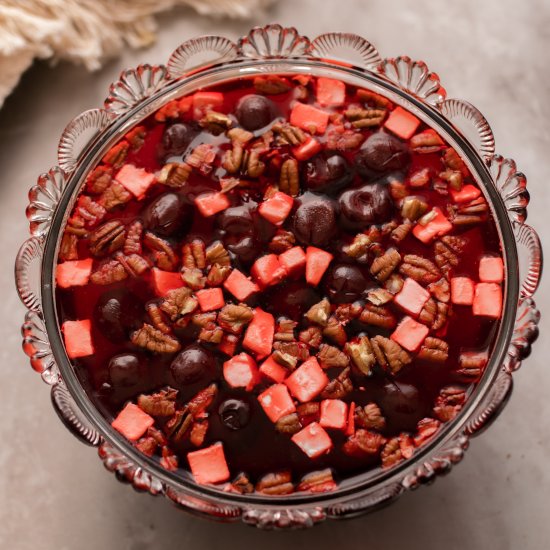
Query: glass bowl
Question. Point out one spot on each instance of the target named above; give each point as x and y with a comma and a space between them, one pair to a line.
211, 60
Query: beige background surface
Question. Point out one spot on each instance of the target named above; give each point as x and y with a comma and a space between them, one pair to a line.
54, 491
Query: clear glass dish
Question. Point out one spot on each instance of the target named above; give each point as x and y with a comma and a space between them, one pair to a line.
211, 60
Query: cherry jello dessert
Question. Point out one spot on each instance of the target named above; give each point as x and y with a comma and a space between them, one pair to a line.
279, 283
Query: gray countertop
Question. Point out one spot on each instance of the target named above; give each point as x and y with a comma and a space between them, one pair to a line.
56, 493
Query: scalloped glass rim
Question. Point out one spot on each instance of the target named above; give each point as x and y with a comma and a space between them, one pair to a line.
357, 485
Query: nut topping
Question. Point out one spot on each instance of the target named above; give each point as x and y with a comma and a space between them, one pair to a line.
152, 339
289, 181
383, 266
233, 318
319, 313
449, 402
339, 387
434, 350
370, 417
331, 356
279, 483
389, 354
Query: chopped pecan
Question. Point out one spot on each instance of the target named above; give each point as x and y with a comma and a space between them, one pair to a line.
136, 137
331, 356
217, 274
198, 432
174, 174
233, 158
334, 331
109, 272
401, 232
241, 484
116, 155
453, 161
289, 424
115, 195
107, 238
239, 135
426, 142
217, 254
441, 290
157, 318
346, 140
359, 247
278, 483
338, 387
147, 445
420, 269
233, 318
364, 118
413, 208
440, 316
362, 354
453, 178
318, 482
311, 336
289, 181
68, 249
203, 319
420, 178
449, 402
378, 316
271, 84
202, 158
425, 429
179, 425
364, 443
319, 313
162, 403
216, 123
288, 134
211, 333
133, 264
194, 254
370, 417
285, 330
346, 312
282, 241
89, 211
447, 250
99, 179
469, 213
152, 339
394, 283
471, 365
132, 242
179, 302
228, 184
383, 266
397, 449
434, 350
308, 412
193, 278
285, 359
252, 164
299, 350
165, 258
204, 398
379, 296
389, 354
169, 461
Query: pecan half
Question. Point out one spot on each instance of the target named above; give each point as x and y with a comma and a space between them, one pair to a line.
68, 249
420, 178
217, 254
383, 266
198, 432
162, 403
364, 443
115, 195
289, 424
193, 278
401, 232
278, 483
362, 354
217, 274
447, 251
194, 254
364, 118
202, 401
370, 417
289, 180
216, 123
318, 482
469, 213
471, 365
169, 461
389, 354
164, 256
90, 212
379, 296
397, 449
346, 140
174, 174
116, 155
434, 314
136, 137
359, 247
285, 330
308, 412
453, 161
157, 318
311, 336
441, 290
179, 426
132, 242
202, 158
299, 350
398, 190
288, 134
378, 316
434, 350
453, 178
211, 333
420, 269
99, 179
239, 135
271, 84
241, 484
346, 312
449, 402
134, 264
287, 360
109, 272
233, 318
373, 99
331, 356
425, 429
152, 339
338, 387
426, 142
319, 312
282, 241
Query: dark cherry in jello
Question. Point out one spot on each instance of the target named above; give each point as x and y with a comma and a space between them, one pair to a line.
279, 283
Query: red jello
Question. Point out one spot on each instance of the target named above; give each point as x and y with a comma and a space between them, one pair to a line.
264, 289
